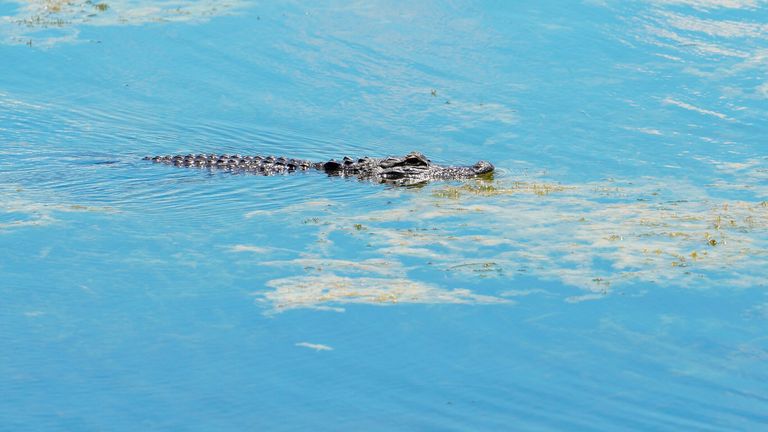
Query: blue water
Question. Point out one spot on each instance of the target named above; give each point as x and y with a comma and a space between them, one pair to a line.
612, 276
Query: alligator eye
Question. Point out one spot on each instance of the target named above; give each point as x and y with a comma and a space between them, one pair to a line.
416, 162
416, 159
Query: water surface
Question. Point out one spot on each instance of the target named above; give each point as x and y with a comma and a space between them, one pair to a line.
612, 275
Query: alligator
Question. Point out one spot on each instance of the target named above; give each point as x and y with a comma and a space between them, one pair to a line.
411, 169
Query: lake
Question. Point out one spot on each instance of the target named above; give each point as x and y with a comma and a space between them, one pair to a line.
612, 275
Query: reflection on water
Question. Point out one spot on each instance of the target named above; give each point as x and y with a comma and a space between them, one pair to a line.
715, 49
712, 4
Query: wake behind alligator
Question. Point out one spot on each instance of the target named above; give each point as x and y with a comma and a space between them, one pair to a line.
411, 169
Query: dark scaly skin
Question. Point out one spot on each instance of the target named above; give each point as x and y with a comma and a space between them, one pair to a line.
411, 169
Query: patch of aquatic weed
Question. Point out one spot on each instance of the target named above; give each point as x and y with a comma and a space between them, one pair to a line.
329, 292
35, 18
491, 188
646, 231
749, 175
381, 267
482, 269
19, 210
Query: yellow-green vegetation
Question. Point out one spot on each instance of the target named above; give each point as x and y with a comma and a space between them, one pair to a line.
482, 269
551, 231
318, 291
484, 188
726, 221
607, 190
35, 15
450, 193
42, 21
83, 208
37, 213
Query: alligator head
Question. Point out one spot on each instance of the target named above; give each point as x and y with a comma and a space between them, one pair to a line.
411, 169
